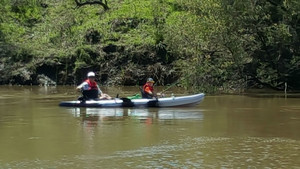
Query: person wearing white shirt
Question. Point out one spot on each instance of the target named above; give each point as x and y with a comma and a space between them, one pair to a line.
90, 89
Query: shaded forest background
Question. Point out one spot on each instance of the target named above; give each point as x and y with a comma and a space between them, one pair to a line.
209, 46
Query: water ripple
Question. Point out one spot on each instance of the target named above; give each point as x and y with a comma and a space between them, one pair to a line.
201, 152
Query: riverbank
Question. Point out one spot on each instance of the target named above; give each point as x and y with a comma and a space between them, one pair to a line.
203, 44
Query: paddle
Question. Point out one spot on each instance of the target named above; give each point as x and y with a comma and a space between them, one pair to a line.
173, 84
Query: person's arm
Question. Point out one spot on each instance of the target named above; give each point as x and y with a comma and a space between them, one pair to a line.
148, 91
82, 86
99, 90
103, 95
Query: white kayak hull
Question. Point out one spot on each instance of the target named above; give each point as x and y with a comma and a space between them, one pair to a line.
124, 102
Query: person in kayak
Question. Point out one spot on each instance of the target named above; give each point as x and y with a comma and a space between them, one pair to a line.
148, 90
90, 89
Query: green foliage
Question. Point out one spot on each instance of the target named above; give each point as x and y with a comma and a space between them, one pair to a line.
26, 12
211, 45
248, 35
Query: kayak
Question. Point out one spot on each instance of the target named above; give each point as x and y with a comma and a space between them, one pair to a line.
125, 102
173, 101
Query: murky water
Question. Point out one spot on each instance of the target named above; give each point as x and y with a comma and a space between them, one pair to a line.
222, 132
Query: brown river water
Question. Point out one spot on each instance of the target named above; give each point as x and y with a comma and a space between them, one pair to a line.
223, 131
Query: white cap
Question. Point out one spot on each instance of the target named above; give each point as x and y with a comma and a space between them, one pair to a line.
91, 74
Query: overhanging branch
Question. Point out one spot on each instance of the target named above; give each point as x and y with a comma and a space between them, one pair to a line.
81, 3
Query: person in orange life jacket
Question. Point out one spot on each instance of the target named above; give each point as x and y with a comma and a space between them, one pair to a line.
90, 88
148, 90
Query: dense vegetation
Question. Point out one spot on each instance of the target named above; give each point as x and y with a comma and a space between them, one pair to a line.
209, 45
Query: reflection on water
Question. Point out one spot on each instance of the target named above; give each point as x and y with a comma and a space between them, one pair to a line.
96, 115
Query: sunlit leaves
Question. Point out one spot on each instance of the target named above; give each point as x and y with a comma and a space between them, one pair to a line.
210, 43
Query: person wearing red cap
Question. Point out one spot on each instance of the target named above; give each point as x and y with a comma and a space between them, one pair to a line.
90, 88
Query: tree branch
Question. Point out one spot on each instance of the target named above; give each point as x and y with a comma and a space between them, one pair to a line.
79, 3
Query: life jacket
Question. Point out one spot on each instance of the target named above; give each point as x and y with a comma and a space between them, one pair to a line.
146, 94
92, 85
92, 92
